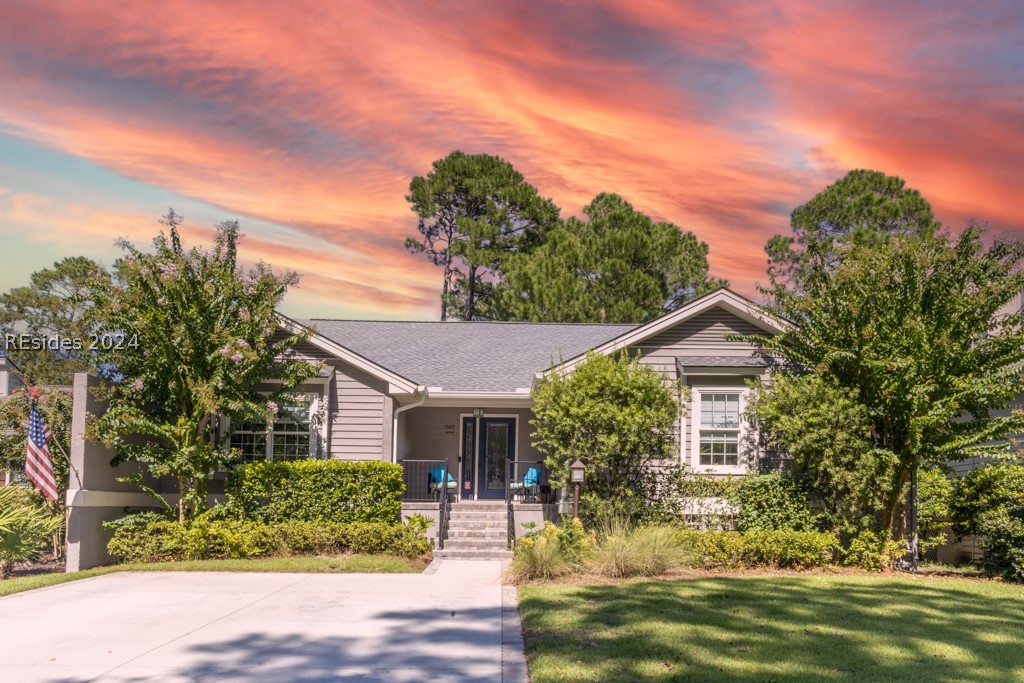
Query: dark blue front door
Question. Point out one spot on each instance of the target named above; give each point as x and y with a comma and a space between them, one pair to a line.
496, 446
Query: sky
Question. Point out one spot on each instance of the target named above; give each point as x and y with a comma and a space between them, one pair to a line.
306, 121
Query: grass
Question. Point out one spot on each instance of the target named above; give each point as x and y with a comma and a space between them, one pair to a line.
776, 628
348, 564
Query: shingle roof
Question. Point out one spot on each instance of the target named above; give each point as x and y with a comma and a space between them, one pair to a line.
466, 356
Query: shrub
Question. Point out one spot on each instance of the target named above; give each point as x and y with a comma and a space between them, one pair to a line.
714, 549
702, 499
25, 526
317, 491
206, 539
538, 557
781, 549
789, 549
550, 551
934, 495
874, 551
988, 492
146, 540
771, 502
154, 540
623, 552
1004, 545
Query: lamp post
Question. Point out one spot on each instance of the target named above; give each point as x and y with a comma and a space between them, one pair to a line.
577, 470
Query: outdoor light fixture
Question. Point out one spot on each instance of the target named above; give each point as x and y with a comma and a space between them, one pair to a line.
576, 471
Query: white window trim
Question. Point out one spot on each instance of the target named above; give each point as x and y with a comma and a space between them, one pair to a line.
317, 432
695, 401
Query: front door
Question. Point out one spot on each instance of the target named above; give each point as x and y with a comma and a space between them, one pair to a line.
496, 446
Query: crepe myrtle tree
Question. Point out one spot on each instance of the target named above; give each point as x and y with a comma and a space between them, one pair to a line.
910, 326
618, 417
194, 340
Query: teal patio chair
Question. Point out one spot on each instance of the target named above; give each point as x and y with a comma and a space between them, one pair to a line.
529, 487
434, 480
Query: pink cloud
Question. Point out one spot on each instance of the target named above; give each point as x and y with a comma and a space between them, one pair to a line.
720, 120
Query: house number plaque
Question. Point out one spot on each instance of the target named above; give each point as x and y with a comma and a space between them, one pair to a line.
449, 429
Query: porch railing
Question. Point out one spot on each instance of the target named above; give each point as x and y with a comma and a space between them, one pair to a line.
422, 481
426, 481
528, 481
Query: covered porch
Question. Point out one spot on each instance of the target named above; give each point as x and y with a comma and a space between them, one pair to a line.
454, 455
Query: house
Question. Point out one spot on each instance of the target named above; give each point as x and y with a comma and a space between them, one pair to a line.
457, 394
452, 399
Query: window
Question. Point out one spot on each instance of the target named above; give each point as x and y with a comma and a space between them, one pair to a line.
719, 428
292, 436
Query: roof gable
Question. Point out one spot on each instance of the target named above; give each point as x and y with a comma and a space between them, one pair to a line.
725, 299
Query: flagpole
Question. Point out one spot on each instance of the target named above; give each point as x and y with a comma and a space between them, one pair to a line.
27, 383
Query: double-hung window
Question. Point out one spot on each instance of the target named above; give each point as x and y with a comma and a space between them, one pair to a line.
719, 437
291, 436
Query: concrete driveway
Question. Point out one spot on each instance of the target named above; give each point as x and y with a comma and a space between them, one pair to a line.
181, 626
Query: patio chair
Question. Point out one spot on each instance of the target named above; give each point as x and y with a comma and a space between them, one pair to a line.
434, 484
529, 487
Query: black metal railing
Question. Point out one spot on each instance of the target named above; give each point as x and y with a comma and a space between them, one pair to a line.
430, 481
443, 515
528, 481
425, 480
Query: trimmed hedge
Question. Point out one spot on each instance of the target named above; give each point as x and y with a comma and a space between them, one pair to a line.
335, 491
782, 549
147, 540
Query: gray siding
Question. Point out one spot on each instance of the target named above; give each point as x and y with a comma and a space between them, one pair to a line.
359, 411
702, 335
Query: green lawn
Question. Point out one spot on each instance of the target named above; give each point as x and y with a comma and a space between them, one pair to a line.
366, 564
776, 628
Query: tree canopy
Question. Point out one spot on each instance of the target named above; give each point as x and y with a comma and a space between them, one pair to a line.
618, 417
868, 205
617, 266
906, 320
475, 210
55, 305
198, 341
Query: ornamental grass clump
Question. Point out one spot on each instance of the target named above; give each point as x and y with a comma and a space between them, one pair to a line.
551, 551
623, 551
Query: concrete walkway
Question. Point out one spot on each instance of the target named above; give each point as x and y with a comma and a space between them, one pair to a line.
180, 626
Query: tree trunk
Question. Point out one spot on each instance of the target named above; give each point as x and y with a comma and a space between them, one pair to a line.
444, 291
892, 507
470, 293
910, 559
181, 499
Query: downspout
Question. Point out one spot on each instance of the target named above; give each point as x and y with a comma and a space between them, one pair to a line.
422, 391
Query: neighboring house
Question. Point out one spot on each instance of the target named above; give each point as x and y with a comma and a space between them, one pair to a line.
10, 379
10, 376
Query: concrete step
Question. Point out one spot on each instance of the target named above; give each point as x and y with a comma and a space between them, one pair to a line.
488, 529
475, 544
447, 554
456, 532
460, 514
482, 506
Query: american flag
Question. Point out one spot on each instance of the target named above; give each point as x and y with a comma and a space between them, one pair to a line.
38, 467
